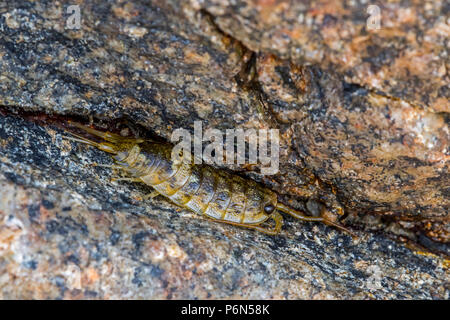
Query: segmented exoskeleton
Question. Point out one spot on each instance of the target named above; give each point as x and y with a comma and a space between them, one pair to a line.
217, 194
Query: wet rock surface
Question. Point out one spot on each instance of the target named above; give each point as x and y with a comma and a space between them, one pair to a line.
405, 56
353, 137
68, 232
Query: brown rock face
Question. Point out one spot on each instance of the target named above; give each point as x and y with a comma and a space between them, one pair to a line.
404, 57
363, 116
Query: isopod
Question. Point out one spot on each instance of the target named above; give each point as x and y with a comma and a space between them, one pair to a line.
219, 195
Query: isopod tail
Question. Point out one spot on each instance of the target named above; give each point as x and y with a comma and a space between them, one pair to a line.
299, 215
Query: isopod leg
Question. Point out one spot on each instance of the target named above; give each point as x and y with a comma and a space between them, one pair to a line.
127, 179
110, 166
270, 231
299, 215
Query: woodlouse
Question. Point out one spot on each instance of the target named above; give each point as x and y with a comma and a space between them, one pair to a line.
219, 195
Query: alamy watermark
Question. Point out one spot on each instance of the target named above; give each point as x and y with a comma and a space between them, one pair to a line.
231, 150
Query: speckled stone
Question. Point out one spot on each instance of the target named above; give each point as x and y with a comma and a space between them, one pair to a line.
406, 58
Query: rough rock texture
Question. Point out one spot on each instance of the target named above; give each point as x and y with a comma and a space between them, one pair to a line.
406, 58
363, 117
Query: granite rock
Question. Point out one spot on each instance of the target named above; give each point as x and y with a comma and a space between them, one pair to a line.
363, 119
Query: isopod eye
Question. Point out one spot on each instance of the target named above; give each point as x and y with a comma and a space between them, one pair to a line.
268, 208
